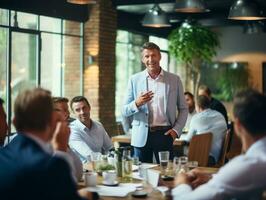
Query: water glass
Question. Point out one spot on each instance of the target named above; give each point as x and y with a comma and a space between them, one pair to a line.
164, 159
192, 164
95, 160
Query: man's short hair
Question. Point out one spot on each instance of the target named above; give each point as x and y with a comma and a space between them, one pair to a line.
189, 94
79, 99
206, 89
1, 102
150, 45
33, 110
250, 109
203, 102
60, 100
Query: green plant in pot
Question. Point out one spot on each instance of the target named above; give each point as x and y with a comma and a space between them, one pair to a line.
192, 44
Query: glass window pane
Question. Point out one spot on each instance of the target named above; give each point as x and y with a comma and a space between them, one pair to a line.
25, 20
161, 42
122, 36
71, 27
3, 17
3, 63
72, 66
51, 63
23, 63
50, 24
164, 61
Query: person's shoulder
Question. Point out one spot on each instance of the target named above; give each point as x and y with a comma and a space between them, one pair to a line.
75, 125
171, 75
137, 75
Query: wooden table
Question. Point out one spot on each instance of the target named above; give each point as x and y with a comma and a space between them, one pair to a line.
152, 193
127, 139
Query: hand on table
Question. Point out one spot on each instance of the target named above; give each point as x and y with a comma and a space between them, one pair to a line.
200, 177
144, 98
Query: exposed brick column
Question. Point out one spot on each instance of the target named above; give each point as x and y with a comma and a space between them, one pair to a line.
99, 77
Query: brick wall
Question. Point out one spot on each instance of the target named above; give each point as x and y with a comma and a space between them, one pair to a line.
99, 77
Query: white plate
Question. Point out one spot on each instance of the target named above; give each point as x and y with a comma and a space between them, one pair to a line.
116, 183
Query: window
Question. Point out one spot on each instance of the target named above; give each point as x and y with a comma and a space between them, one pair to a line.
45, 51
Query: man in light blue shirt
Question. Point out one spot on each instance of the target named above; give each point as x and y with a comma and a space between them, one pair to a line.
207, 120
244, 176
87, 135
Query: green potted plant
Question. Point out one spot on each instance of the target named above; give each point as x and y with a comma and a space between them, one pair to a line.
192, 44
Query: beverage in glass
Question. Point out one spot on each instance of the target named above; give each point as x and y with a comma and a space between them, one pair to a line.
127, 163
164, 158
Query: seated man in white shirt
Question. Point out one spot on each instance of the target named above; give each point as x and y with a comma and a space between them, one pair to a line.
244, 176
87, 135
207, 120
189, 97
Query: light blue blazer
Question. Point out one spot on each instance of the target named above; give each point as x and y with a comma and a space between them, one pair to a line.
174, 97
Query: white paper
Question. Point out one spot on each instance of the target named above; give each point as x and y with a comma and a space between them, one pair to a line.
153, 177
121, 190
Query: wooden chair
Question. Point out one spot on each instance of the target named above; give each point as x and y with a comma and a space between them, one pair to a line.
224, 149
199, 148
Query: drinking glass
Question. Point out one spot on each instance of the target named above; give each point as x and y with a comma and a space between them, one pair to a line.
192, 164
164, 158
182, 161
95, 160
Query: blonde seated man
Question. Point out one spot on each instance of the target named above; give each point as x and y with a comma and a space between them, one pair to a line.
61, 107
244, 176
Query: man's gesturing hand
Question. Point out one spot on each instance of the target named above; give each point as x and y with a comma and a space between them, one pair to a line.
144, 98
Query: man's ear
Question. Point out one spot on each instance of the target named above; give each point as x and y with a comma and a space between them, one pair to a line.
237, 127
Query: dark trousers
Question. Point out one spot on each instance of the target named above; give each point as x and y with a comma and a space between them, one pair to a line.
156, 142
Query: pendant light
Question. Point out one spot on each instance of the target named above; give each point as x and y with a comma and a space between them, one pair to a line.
82, 2
245, 10
156, 18
190, 6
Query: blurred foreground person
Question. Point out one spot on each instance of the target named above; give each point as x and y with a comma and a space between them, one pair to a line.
28, 169
244, 176
3, 124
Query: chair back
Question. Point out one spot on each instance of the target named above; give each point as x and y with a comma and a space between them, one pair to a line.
235, 146
224, 150
199, 148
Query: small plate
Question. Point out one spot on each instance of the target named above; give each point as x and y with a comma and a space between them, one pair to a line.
139, 194
116, 183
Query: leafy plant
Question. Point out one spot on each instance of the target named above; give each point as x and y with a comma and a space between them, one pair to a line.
191, 44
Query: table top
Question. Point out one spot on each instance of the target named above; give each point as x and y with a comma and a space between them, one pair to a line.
153, 194
127, 139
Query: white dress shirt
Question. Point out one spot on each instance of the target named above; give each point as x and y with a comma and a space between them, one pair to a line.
208, 121
85, 140
242, 178
156, 105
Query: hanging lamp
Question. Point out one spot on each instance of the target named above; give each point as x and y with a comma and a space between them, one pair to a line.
156, 18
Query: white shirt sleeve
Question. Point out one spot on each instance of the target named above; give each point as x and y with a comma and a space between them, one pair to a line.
242, 178
77, 143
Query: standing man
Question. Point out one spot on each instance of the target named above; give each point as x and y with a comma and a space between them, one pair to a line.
153, 99
87, 135
191, 109
244, 176
3, 124
215, 104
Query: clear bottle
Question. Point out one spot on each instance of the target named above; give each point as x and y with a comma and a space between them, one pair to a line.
127, 163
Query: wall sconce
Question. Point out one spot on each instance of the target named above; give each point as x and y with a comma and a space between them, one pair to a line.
91, 60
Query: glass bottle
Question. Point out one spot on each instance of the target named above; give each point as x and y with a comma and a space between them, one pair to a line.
127, 163
118, 161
